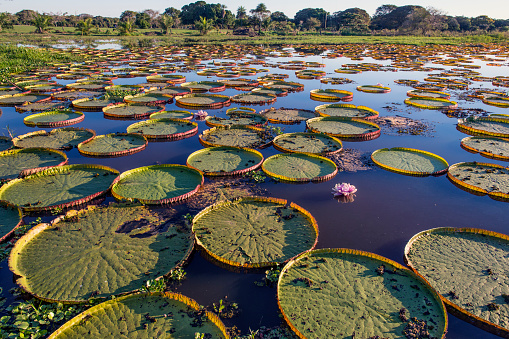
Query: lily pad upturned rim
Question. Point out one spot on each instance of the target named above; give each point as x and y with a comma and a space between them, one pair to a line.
413, 93
363, 136
215, 86
239, 98
223, 100
107, 111
353, 252
489, 101
411, 173
273, 120
45, 98
451, 307
286, 135
414, 101
29, 171
256, 119
116, 153
41, 133
8, 235
161, 99
282, 202
236, 172
373, 116
125, 174
175, 136
56, 170
316, 94
258, 130
485, 154
28, 120
80, 104
373, 89
189, 115
171, 295
304, 155
476, 131
474, 189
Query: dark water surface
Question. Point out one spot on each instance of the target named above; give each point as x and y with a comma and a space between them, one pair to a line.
388, 209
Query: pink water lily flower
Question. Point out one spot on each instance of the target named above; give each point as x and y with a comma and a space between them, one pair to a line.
343, 189
200, 115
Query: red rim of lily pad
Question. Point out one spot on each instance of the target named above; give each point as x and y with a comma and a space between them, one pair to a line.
116, 153
28, 120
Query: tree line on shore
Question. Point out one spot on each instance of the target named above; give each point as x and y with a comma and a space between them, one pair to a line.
204, 17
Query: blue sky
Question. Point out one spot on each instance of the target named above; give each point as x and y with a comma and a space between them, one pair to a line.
113, 8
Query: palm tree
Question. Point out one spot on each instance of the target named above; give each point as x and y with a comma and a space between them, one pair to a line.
204, 25
241, 12
126, 27
166, 22
85, 26
41, 22
260, 12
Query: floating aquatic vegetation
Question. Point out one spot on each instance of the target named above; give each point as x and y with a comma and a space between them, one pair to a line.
397, 125
352, 160
284, 115
173, 129
409, 161
203, 100
223, 160
344, 189
254, 98
235, 136
342, 127
373, 89
93, 104
431, 103
419, 93
331, 95
41, 106
22, 98
127, 111
59, 138
55, 118
299, 167
113, 145
204, 86
173, 114
237, 118
307, 143
346, 110
5, 143
485, 126
489, 147
22, 162
10, 219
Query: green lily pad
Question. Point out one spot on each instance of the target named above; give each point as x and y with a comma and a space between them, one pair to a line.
170, 78
255, 232
155, 315
428, 94
10, 219
73, 95
488, 126
5, 143
279, 92
431, 103
148, 98
254, 98
235, 136
241, 119
58, 138
409, 161
287, 85
496, 148
299, 167
331, 95
126, 111
307, 143
93, 104
341, 127
481, 178
98, 252
224, 160
468, 268
164, 128
113, 144
204, 86
203, 100
172, 91
340, 293
20, 99
287, 115
174, 114
21, 162
61, 186
347, 110
89, 85
41, 106
157, 184
54, 118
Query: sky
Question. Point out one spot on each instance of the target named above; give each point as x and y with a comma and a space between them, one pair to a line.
113, 8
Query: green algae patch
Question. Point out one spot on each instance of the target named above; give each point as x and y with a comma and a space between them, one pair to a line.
494, 148
59, 138
113, 144
59, 187
299, 167
468, 268
10, 219
164, 128
21, 162
157, 184
307, 143
409, 161
343, 293
224, 160
255, 232
99, 251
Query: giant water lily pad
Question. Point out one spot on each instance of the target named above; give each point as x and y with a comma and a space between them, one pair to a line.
236, 136
20, 99
468, 268
57, 187
299, 167
59, 138
254, 98
173, 114
164, 128
157, 184
431, 103
342, 293
346, 110
10, 219
489, 126
54, 118
243, 119
126, 111
344, 127
73, 95
288, 115
172, 91
254, 231
204, 86
203, 100
496, 148
98, 252
331, 95
148, 98
481, 178
409, 161
93, 104
21, 162
156, 315
307, 143
224, 160
41, 106
113, 144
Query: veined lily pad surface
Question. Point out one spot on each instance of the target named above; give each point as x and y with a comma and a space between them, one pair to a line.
245, 119
19, 99
98, 252
409, 161
173, 114
481, 178
468, 268
224, 160
126, 111
157, 184
155, 315
203, 100
299, 167
41, 106
288, 115
346, 110
307, 143
334, 293
254, 98
236, 136
341, 127
58, 138
113, 144
255, 232
93, 104
489, 126
54, 118
431, 103
10, 218
61, 186
164, 128
496, 148
16, 162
